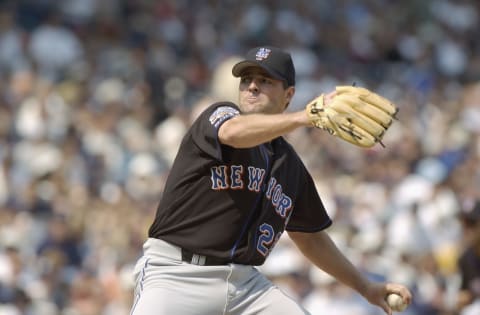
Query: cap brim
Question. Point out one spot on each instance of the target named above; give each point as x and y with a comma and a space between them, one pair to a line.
240, 68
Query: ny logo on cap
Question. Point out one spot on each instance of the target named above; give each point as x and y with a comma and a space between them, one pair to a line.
262, 53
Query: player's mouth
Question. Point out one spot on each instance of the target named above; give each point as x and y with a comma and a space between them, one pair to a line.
252, 99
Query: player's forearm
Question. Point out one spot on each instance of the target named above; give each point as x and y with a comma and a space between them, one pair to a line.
246, 131
322, 252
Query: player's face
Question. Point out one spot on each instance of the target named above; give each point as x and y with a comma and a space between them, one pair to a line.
260, 93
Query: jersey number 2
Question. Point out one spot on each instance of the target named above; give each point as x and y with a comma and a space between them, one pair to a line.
266, 239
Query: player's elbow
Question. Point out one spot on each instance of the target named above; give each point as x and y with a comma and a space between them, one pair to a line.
229, 134
230, 139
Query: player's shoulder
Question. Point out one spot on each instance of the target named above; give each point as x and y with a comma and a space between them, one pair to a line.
218, 112
282, 144
283, 147
219, 107
223, 107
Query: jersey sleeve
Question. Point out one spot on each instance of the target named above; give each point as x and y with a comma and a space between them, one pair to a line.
205, 129
309, 214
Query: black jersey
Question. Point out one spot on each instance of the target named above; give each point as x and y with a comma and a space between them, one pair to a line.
235, 203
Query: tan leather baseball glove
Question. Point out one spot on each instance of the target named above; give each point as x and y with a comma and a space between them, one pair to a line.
354, 114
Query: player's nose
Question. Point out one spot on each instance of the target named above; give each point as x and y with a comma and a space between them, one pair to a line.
253, 86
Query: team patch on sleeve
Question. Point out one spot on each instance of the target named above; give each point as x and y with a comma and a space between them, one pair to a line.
221, 114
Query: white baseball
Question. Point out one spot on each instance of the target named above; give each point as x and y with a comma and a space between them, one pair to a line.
396, 303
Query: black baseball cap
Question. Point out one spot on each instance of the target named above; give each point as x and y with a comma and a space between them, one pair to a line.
277, 62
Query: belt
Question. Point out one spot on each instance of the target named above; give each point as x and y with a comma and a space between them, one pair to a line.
202, 260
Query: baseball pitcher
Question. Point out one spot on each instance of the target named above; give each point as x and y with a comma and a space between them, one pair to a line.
236, 186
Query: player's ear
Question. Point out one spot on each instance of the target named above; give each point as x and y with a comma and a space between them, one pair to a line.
289, 92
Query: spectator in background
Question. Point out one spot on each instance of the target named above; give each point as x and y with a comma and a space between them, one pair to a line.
67, 150
469, 261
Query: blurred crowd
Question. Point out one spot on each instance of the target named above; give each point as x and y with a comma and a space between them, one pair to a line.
96, 95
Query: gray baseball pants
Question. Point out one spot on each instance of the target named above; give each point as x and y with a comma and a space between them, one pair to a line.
165, 285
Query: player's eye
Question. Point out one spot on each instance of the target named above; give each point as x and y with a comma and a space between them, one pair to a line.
245, 80
265, 80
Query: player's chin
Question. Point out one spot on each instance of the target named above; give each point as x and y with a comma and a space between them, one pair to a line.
251, 108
